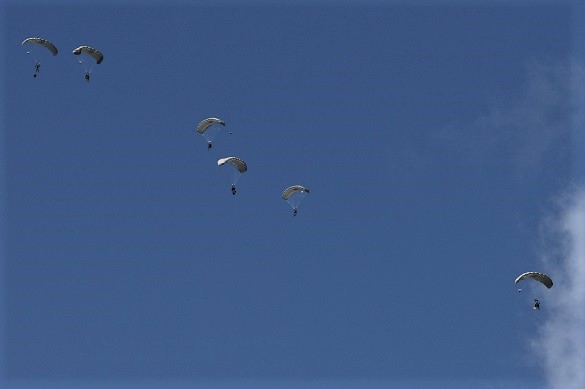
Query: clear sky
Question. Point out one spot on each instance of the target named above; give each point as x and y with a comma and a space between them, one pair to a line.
435, 141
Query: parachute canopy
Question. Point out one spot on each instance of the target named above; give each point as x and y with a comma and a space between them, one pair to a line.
95, 54
294, 195
237, 162
288, 192
43, 42
206, 123
542, 278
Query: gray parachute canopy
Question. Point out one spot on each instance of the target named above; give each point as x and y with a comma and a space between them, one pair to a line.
293, 189
42, 42
206, 123
95, 54
542, 278
237, 162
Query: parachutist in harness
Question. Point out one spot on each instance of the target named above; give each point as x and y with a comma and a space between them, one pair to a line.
209, 145
37, 67
233, 189
295, 212
87, 76
536, 304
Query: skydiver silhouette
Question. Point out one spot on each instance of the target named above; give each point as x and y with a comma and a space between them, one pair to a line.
209, 145
37, 66
233, 189
87, 76
536, 304
295, 212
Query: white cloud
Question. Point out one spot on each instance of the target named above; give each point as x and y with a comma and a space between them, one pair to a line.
560, 343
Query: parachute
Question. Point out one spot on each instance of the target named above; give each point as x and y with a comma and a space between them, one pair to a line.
41, 44
95, 54
542, 278
294, 195
238, 163
85, 52
239, 168
209, 130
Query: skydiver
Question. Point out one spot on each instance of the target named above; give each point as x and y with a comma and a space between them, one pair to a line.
37, 67
233, 189
536, 304
295, 212
87, 76
209, 145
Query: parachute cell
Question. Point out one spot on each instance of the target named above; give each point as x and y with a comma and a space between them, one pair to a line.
542, 278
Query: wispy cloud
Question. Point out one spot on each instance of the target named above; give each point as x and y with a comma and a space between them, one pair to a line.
560, 343
527, 129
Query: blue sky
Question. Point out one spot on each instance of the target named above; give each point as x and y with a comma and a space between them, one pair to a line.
434, 140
